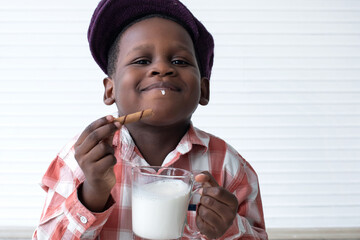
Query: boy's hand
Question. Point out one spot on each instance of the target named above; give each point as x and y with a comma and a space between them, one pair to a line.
217, 208
95, 156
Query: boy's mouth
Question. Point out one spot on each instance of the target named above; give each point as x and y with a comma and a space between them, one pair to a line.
160, 86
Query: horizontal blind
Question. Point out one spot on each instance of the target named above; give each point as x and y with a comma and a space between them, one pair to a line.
285, 92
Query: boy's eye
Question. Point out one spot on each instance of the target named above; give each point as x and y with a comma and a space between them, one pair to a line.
179, 62
142, 61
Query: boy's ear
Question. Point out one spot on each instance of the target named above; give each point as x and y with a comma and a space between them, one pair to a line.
108, 91
205, 91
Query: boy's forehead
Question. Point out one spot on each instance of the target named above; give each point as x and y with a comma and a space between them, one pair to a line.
110, 17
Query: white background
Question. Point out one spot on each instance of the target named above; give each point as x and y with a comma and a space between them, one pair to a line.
285, 92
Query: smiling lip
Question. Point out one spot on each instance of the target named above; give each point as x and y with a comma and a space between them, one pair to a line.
161, 85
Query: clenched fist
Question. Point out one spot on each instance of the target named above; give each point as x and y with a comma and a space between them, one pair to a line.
217, 209
95, 156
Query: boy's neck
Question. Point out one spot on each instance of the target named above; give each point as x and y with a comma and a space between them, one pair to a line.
155, 143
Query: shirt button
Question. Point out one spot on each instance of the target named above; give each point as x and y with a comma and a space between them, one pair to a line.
83, 219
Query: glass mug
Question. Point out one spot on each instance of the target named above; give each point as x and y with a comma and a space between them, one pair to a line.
160, 201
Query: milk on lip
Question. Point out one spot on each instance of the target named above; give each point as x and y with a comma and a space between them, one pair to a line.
159, 209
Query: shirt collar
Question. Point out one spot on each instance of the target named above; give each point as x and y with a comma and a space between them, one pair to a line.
192, 137
125, 144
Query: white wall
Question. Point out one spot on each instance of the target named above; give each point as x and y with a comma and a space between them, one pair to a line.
285, 93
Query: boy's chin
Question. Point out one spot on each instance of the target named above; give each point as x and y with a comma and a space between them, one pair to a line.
167, 117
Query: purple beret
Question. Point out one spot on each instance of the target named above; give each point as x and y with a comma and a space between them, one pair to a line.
111, 16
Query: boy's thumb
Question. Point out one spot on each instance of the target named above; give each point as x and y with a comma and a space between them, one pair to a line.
109, 139
206, 179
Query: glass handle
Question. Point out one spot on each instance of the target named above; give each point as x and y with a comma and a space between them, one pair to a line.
192, 232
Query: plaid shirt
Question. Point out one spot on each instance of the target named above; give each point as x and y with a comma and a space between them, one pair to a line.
64, 217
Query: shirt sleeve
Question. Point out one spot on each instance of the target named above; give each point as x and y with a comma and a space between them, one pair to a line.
63, 215
249, 222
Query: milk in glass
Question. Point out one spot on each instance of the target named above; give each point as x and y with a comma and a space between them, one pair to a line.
159, 209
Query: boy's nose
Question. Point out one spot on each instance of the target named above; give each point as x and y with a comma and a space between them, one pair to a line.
162, 69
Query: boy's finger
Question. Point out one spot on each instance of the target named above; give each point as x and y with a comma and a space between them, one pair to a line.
221, 195
206, 179
94, 125
99, 151
203, 216
223, 212
102, 133
209, 223
105, 163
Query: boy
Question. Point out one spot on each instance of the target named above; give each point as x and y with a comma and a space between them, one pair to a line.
157, 56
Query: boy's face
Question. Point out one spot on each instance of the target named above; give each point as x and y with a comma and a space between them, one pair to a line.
157, 68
